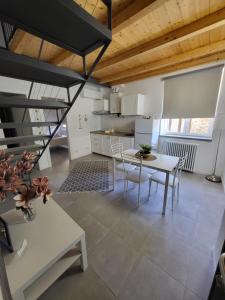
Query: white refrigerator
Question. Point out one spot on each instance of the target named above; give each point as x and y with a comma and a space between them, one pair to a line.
146, 132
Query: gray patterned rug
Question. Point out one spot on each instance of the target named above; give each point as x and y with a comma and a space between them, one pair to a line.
88, 176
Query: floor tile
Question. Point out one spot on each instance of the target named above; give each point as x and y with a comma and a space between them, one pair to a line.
200, 273
170, 254
65, 200
112, 260
94, 231
108, 216
189, 295
130, 235
173, 224
147, 281
75, 284
77, 212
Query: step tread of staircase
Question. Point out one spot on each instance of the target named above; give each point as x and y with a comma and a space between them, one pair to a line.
25, 124
28, 68
22, 139
72, 28
31, 103
24, 148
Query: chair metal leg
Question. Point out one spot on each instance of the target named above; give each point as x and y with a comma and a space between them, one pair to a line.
178, 191
126, 185
139, 190
149, 189
124, 189
173, 194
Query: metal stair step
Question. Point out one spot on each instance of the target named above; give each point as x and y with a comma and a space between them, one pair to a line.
31, 103
71, 27
23, 139
27, 68
16, 150
31, 124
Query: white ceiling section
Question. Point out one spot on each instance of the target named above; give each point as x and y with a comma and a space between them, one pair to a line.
192, 95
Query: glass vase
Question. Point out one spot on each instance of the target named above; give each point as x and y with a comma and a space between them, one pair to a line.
29, 213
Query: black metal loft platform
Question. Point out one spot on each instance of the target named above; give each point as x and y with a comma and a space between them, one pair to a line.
27, 68
61, 22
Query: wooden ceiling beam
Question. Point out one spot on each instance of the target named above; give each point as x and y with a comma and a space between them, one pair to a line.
137, 10
187, 56
19, 40
197, 27
134, 12
192, 63
60, 58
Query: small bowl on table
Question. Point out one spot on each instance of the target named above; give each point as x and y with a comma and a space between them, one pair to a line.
146, 155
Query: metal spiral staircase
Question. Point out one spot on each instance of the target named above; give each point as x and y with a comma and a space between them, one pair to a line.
66, 24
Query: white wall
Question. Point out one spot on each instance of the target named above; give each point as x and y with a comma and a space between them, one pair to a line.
153, 89
80, 121
221, 126
124, 124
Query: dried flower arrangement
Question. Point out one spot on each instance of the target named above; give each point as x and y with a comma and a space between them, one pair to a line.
12, 180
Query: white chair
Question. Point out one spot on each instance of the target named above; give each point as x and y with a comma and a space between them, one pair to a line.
149, 170
174, 179
136, 175
118, 149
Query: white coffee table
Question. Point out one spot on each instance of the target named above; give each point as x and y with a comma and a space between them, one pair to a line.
55, 242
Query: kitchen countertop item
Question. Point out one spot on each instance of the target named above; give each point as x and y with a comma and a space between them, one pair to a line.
115, 133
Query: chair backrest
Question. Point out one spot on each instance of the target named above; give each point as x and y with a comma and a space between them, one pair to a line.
180, 166
133, 160
117, 148
182, 161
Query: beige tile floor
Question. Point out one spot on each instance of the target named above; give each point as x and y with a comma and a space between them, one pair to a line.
136, 254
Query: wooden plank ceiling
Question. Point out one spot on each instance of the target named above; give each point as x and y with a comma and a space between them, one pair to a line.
150, 37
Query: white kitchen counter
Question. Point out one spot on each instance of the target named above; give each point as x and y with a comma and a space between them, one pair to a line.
101, 142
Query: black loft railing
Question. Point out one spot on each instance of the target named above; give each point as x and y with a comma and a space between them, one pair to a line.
8, 31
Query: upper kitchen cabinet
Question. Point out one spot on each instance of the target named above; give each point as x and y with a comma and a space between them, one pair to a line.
115, 103
101, 107
132, 105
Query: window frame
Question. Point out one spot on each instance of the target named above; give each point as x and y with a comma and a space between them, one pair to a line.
187, 127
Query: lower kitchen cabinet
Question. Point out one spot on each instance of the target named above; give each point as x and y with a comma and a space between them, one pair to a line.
96, 143
106, 145
101, 144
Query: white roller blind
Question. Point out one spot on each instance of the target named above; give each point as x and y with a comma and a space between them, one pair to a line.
192, 95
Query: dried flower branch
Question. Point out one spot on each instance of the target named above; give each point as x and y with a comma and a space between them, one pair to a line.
28, 156
4, 156
11, 180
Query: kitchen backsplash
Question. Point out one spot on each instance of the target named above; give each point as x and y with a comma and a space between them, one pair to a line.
118, 123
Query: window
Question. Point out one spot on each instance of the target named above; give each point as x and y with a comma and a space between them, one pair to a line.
196, 127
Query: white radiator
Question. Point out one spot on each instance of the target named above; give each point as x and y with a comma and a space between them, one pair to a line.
179, 149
